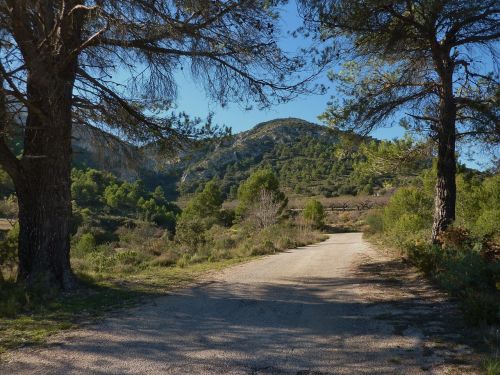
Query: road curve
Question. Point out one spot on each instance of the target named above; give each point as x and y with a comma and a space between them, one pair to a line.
320, 309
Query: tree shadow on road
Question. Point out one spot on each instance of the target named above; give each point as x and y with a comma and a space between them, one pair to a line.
380, 319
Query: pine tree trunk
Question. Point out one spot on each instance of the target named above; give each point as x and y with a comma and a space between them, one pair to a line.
44, 219
446, 191
49, 37
44, 189
445, 200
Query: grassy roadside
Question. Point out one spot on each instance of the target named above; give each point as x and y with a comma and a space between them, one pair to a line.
483, 337
96, 298
29, 320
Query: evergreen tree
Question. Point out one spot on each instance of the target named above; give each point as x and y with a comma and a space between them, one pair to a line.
425, 58
58, 63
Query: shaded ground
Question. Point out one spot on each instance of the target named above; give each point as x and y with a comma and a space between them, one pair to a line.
337, 307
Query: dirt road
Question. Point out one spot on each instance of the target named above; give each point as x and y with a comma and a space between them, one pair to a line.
337, 307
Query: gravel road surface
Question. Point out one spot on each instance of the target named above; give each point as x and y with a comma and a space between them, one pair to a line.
338, 307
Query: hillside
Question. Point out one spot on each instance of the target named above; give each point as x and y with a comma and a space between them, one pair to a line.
93, 148
304, 156
308, 159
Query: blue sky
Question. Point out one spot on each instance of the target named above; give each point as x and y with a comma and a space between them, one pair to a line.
192, 99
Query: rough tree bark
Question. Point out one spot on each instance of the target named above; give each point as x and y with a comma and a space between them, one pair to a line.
42, 176
444, 210
446, 191
44, 191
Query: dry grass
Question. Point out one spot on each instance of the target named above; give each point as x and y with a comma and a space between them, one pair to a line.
140, 265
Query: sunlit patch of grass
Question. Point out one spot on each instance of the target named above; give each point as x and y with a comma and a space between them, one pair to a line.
492, 366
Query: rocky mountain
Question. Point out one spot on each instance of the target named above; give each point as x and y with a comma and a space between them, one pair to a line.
307, 158
93, 148
253, 146
282, 144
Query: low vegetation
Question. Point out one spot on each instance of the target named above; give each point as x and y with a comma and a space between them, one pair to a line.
129, 242
492, 366
314, 213
467, 261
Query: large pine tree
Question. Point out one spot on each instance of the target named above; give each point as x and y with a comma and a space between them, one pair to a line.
112, 64
429, 60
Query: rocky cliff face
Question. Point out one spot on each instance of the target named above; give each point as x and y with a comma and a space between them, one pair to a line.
96, 149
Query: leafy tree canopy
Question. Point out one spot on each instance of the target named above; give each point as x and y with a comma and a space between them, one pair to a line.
200, 214
386, 159
432, 61
206, 203
248, 192
314, 213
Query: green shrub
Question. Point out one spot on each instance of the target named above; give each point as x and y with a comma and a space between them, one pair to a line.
156, 210
266, 247
164, 219
367, 189
249, 190
412, 205
137, 235
183, 261
492, 366
464, 269
85, 245
478, 205
6, 185
8, 252
426, 257
202, 212
190, 230
218, 255
314, 213
9, 207
375, 222
285, 242
479, 307
219, 237
488, 222
226, 217
409, 228
87, 187
102, 259
206, 203
130, 257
